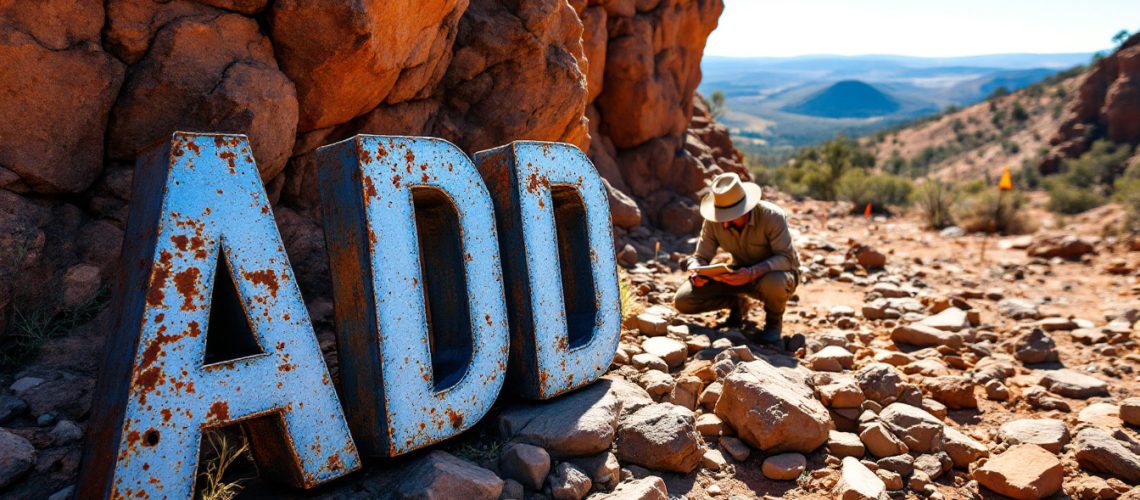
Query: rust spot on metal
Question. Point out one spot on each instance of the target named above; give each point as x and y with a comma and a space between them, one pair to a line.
229, 156
193, 147
396, 181
456, 418
369, 188
219, 411
187, 284
166, 414
181, 241
194, 330
410, 156
155, 295
264, 277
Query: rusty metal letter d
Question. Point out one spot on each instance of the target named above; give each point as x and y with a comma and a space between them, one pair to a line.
558, 250
420, 313
200, 224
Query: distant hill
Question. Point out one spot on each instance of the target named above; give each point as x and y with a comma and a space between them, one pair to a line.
981, 139
772, 108
846, 99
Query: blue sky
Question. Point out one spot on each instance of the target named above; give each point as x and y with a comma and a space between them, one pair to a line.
919, 27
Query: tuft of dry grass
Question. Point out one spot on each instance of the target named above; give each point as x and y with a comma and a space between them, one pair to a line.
629, 304
215, 486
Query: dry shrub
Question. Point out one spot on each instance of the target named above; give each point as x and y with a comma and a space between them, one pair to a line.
936, 201
980, 212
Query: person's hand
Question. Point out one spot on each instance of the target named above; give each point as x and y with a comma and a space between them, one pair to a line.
697, 280
739, 277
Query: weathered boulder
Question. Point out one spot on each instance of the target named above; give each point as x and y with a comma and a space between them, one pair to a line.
857, 482
963, 450
832, 358
918, 334
954, 391
17, 456
880, 382
1047, 433
662, 437
401, 49
672, 351
921, 431
440, 475
880, 441
1018, 309
580, 423
771, 411
568, 482
517, 72
1035, 347
1116, 453
525, 463
646, 488
951, 319
1073, 384
58, 87
1065, 247
636, 64
783, 467
1025, 471
208, 73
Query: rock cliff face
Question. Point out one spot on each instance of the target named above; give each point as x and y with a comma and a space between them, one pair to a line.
1107, 105
91, 84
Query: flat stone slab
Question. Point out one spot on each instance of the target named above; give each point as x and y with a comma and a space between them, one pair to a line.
1026, 471
1047, 433
1073, 384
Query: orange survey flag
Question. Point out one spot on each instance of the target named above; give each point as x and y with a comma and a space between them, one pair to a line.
867, 211
1006, 183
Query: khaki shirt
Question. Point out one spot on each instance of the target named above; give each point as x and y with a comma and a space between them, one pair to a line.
765, 240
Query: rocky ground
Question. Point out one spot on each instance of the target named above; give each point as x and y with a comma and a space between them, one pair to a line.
926, 372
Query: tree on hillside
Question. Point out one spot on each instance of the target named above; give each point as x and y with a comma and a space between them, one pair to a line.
1119, 38
716, 104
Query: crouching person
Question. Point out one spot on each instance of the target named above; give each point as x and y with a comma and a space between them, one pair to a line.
766, 267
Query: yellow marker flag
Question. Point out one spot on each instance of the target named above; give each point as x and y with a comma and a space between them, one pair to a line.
1006, 183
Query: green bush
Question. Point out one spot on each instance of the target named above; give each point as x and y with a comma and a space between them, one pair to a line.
881, 191
936, 201
1100, 165
1128, 194
980, 211
1065, 198
816, 170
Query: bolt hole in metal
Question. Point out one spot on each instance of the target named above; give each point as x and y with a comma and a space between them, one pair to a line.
444, 285
150, 438
574, 260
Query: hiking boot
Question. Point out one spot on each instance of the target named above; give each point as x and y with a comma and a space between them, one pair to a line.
737, 314
773, 328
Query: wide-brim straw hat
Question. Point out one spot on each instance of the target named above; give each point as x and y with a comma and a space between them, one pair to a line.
729, 198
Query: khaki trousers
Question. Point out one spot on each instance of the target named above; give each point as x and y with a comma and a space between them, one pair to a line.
773, 289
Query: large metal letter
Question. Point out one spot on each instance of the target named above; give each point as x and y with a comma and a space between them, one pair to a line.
552, 209
421, 320
198, 208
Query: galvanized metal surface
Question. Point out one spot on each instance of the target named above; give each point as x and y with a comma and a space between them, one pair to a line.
211, 202
394, 401
545, 360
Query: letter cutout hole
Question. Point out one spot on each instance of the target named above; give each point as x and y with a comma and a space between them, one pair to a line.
199, 211
557, 244
403, 215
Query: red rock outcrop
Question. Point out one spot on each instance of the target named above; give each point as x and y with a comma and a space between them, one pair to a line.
1107, 106
90, 84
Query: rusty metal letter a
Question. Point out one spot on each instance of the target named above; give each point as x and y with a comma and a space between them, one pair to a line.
420, 313
558, 251
200, 218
